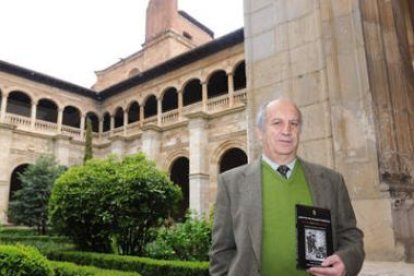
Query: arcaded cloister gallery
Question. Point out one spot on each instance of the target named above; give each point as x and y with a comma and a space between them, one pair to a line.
188, 101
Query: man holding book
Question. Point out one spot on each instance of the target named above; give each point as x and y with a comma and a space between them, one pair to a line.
254, 229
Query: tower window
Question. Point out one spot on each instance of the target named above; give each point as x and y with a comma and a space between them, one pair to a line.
187, 35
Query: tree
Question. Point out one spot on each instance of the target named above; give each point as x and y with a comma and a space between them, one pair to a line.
88, 154
107, 202
29, 204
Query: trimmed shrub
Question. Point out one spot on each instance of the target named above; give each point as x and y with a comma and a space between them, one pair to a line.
108, 202
190, 241
145, 266
23, 260
71, 269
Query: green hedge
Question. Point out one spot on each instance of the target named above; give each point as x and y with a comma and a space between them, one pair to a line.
23, 260
145, 266
70, 269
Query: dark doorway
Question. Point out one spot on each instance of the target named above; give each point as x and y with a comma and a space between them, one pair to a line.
15, 183
179, 174
232, 158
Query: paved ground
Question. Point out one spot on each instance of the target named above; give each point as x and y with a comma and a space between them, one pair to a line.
387, 269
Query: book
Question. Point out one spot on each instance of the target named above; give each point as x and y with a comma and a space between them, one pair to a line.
313, 235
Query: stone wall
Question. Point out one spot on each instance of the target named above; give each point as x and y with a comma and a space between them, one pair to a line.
314, 52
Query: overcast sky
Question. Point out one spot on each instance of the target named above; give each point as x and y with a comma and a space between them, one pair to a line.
70, 39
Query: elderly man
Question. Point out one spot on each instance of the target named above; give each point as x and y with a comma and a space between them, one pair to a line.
254, 227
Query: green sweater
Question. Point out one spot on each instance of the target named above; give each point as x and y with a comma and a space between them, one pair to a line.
279, 231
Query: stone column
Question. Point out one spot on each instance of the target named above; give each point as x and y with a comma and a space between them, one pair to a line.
82, 126
318, 53
6, 140
33, 115
151, 141
125, 122
230, 88
111, 124
101, 121
62, 149
204, 95
141, 116
159, 111
60, 120
3, 108
199, 177
180, 104
118, 145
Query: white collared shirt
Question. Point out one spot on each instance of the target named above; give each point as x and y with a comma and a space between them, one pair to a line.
275, 165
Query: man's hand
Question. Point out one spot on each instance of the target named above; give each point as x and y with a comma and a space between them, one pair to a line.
331, 266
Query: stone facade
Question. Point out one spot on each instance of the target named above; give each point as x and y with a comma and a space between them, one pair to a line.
339, 60
190, 107
348, 65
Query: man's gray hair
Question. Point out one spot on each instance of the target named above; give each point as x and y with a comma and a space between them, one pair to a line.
262, 114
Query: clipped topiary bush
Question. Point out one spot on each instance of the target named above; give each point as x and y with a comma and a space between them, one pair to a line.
106, 202
23, 260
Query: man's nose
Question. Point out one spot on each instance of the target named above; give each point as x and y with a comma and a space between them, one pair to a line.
287, 129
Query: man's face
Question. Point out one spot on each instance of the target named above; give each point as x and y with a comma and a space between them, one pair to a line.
280, 136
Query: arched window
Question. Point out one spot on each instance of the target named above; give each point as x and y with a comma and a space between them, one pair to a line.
71, 116
47, 110
150, 107
133, 112
133, 72
239, 77
15, 183
170, 100
232, 158
192, 92
94, 121
217, 84
106, 122
19, 103
119, 117
179, 174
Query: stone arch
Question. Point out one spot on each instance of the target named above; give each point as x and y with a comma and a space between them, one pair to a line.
232, 158
169, 99
239, 76
20, 103
218, 153
94, 120
133, 72
192, 92
106, 118
217, 84
15, 183
47, 110
223, 147
133, 111
119, 117
71, 116
150, 106
179, 171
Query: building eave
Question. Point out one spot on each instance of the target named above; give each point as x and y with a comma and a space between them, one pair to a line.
175, 63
